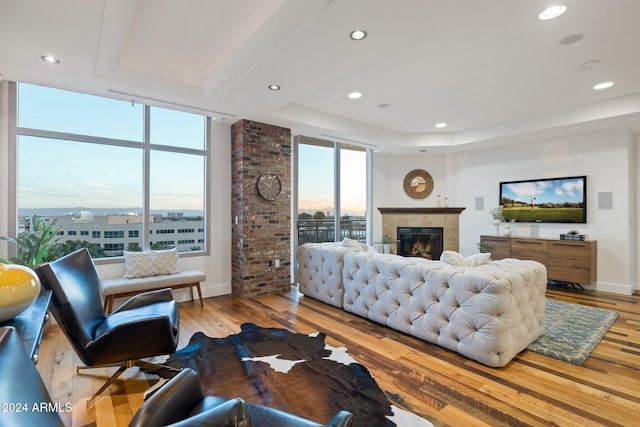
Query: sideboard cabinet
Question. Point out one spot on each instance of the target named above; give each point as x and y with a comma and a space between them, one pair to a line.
572, 261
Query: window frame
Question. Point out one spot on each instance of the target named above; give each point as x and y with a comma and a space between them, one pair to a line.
337, 147
146, 146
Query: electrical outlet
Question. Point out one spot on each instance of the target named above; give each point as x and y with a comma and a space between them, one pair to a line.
277, 263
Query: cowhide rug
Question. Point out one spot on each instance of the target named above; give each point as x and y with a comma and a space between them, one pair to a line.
293, 372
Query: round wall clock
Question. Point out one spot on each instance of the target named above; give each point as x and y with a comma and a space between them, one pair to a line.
418, 184
269, 186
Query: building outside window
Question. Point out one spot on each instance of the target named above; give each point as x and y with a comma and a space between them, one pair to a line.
114, 234
109, 170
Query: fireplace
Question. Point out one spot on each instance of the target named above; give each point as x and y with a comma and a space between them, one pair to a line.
424, 242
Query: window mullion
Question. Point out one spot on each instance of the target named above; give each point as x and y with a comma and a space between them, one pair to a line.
336, 193
146, 239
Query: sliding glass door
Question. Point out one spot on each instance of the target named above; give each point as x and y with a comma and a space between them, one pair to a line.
331, 190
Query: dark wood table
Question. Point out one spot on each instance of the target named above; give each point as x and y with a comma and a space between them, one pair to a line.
30, 324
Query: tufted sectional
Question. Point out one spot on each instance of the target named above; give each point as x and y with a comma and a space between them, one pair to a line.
488, 313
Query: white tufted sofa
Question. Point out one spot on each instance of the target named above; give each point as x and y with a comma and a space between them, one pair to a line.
488, 313
320, 270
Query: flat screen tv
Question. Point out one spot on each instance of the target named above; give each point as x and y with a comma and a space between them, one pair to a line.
561, 200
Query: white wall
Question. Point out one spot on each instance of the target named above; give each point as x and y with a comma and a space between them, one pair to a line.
608, 158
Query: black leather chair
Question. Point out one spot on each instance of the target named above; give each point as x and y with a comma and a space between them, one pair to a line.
24, 398
181, 403
144, 326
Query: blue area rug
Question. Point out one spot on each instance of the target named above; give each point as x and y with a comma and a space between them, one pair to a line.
572, 331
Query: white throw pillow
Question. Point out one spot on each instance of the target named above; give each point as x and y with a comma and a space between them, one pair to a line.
350, 243
150, 263
478, 259
453, 258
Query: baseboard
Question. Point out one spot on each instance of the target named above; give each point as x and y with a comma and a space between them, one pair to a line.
208, 291
614, 288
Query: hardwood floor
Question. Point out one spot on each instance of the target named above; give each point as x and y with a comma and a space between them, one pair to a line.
433, 382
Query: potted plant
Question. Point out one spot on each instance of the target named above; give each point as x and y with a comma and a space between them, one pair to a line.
35, 246
484, 247
387, 242
498, 217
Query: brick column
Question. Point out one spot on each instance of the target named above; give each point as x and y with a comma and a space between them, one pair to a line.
262, 233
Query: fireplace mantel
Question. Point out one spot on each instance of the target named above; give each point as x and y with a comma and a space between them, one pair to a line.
420, 211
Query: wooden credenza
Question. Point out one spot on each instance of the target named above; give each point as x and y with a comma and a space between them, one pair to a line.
572, 261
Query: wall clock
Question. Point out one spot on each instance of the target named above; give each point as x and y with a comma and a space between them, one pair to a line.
269, 186
418, 184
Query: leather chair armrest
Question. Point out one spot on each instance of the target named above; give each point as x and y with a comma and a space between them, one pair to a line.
172, 402
232, 413
342, 419
22, 386
146, 298
265, 416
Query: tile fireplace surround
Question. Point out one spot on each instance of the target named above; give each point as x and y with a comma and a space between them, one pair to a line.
447, 218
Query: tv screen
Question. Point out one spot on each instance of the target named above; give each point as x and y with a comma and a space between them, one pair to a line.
562, 200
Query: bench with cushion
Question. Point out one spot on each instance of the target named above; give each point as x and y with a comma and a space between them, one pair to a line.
150, 270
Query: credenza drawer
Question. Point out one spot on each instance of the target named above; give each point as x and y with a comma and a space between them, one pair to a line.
529, 249
500, 246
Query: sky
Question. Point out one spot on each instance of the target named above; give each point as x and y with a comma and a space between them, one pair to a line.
316, 180
95, 175
105, 176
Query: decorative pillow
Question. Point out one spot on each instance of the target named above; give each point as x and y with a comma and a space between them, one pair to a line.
453, 258
150, 263
478, 259
350, 243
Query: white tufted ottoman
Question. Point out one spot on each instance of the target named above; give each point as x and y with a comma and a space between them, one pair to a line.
488, 313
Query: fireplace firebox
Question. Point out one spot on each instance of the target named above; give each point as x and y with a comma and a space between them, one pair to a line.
425, 242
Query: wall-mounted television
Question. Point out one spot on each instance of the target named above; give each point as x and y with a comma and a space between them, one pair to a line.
561, 200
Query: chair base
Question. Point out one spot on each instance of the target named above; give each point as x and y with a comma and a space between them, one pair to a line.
122, 366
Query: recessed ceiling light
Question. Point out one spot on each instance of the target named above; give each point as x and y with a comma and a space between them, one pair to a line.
50, 59
274, 87
441, 125
552, 12
590, 65
573, 38
358, 35
355, 95
603, 85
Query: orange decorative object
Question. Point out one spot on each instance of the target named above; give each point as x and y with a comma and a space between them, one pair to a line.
19, 287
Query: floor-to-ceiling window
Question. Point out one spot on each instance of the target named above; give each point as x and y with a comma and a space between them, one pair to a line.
113, 175
331, 190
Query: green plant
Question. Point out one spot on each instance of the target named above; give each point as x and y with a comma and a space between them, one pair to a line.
35, 246
388, 240
484, 247
496, 213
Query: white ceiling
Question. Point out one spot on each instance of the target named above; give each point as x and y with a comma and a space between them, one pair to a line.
490, 68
